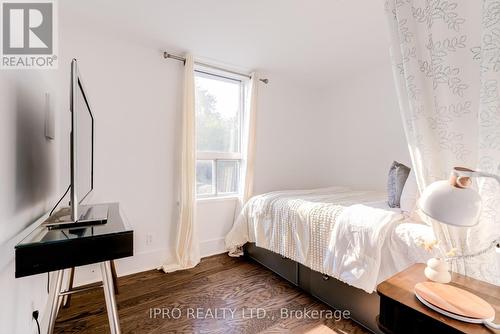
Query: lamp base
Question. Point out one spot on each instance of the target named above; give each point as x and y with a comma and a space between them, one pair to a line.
455, 303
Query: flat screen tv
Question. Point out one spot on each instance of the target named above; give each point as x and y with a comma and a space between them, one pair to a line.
81, 143
81, 159
82, 153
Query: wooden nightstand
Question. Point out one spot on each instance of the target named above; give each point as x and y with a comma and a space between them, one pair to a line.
402, 312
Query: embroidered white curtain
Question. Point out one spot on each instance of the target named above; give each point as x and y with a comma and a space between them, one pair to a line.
446, 58
187, 244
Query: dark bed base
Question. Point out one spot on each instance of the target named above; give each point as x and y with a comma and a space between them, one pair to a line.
364, 307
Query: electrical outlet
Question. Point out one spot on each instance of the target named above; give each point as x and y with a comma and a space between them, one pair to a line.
149, 239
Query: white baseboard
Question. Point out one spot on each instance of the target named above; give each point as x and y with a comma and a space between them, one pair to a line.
212, 247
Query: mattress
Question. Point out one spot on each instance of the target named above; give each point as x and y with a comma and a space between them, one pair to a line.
351, 235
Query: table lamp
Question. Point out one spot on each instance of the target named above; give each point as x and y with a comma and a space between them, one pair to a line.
454, 202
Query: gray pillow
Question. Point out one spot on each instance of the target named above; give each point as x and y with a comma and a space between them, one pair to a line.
398, 173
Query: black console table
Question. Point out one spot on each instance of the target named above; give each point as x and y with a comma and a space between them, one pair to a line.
45, 250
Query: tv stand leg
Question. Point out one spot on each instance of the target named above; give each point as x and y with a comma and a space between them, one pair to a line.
109, 295
54, 308
67, 298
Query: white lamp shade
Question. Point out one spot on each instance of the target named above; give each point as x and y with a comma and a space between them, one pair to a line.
451, 205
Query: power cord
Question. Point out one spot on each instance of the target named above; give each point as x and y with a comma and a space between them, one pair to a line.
48, 274
35, 316
55, 206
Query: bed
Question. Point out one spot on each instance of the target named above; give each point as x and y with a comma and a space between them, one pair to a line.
349, 235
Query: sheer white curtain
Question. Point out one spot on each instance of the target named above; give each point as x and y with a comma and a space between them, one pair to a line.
187, 244
446, 58
249, 149
249, 143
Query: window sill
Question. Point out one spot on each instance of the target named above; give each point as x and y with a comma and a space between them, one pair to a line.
217, 199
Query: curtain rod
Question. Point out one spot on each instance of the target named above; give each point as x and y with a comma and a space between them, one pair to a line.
167, 55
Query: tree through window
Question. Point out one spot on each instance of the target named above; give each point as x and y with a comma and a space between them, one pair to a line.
219, 119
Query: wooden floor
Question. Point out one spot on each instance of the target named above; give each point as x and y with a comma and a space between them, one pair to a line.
236, 284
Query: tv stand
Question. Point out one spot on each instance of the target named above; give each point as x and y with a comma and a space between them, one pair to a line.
45, 250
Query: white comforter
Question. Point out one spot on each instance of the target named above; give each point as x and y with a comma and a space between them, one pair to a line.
346, 234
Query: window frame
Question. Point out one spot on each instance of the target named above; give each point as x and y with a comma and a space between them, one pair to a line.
214, 156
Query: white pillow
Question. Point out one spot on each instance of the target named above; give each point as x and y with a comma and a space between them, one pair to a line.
410, 193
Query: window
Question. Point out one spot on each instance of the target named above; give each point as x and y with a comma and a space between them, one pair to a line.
219, 119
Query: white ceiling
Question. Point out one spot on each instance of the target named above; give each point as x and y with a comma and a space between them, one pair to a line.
310, 39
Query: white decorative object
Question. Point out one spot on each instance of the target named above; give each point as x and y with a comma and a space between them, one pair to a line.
437, 271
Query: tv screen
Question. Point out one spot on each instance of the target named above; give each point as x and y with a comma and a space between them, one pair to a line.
82, 144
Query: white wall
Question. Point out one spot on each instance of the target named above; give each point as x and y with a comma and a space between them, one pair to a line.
366, 130
135, 95
292, 128
214, 219
28, 178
